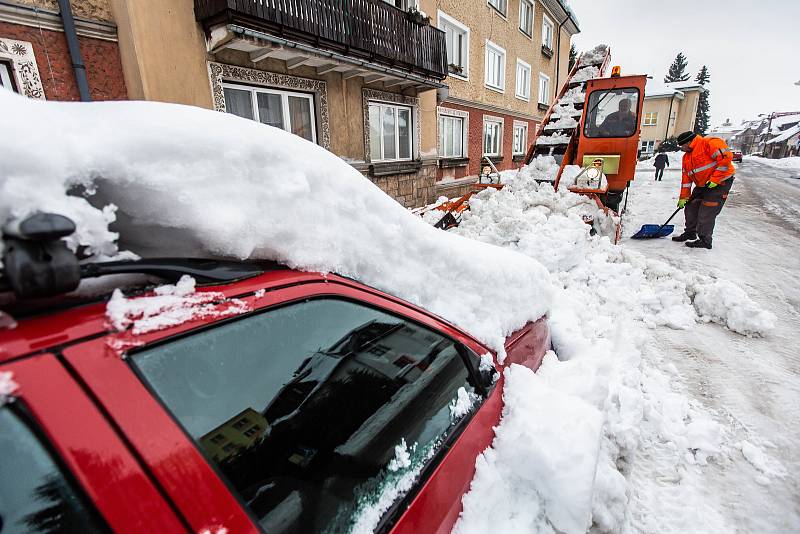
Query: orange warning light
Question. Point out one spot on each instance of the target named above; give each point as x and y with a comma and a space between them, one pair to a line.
615, 71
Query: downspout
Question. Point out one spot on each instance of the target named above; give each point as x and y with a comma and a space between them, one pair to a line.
669, 117
558, 51
74, 50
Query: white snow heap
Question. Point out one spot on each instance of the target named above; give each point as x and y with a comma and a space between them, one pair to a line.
555, 139
197, 182
573, 96
594, 56
792, 162
562, 123
170, 305
585, 73
565, 110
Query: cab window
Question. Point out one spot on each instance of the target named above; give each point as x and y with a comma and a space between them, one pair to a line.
612, 113
36, 494
317, 413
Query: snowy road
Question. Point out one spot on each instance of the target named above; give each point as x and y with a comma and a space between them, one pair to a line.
753, 383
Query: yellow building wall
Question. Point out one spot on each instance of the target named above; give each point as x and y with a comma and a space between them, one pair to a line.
163, 51
683, 109
86, 9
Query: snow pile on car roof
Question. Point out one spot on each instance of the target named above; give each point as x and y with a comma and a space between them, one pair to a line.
236, 188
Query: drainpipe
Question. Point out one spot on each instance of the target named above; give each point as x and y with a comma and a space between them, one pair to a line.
74, 50
669, 117
558, 50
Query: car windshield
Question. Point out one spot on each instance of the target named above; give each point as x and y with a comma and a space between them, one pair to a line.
612, 113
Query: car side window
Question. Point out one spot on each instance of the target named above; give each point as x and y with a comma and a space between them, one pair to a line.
319, 414
36, 495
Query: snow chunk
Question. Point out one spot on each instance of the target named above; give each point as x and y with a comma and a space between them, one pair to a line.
562, 123
169, 306
541, 466
726, 303
594, 56
586, 73
7, 386
213, 184
574, 96
462, 404
402, 458
555, 139
543, 169
759, 459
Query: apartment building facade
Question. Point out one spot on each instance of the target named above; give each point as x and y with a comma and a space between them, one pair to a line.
372, 83
506, 59
668, 110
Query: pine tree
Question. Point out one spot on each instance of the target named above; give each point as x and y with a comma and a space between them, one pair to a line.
573, 56
701, 119
670, 144
677, 71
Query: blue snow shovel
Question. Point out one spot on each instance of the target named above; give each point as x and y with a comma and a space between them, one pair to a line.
651, 231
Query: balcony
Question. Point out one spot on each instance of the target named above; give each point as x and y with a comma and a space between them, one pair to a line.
367, 30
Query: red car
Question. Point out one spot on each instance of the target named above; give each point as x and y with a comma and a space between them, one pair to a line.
737, 155
309, 409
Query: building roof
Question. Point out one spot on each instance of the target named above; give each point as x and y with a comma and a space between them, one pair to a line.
656, 89
560, 9
785, 135
780, 123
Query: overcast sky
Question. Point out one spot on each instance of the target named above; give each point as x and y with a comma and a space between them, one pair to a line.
751, 48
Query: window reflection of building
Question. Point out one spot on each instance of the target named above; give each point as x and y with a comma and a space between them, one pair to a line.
237, 433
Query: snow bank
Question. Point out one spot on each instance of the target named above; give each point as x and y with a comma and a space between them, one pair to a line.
170, 305
726, 303
781, 163
231, 187
540, 469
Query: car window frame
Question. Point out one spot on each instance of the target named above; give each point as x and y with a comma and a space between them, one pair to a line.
90, 356
50, 397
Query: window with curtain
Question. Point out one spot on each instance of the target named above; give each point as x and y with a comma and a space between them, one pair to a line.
526, 17
457, 42
390, 135
287, 110
520, 138
495, 66
492, 137
7, 76
547, 32
451, 137
523, 80
544, 89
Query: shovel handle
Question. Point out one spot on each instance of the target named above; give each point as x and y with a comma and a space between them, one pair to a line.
674, 213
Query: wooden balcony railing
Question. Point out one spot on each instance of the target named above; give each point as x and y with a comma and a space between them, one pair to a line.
366, 29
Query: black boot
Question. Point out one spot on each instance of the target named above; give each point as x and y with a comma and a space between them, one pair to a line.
685, 236
699, 243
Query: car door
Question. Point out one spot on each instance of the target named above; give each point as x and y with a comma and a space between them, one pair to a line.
62, 466
328, 405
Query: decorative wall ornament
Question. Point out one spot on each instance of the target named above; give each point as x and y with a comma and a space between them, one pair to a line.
391, 98
23, 67
222, 72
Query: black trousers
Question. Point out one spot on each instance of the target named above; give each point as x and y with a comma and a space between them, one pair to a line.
703, 207
659, 173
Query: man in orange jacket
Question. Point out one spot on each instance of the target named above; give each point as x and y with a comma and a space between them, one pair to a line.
708, 164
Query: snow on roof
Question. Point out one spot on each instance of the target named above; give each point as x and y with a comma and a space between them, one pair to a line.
655, 89
193, 182
785, 135
778, 123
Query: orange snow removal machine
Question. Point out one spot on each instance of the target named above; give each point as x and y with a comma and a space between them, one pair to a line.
593, 123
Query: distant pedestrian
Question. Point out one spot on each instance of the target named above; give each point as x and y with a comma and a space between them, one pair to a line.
662, 160
708, 164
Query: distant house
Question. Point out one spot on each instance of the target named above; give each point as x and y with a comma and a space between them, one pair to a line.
784, 136
668, 109
725, 131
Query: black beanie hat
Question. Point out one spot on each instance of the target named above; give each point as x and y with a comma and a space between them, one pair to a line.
686, 137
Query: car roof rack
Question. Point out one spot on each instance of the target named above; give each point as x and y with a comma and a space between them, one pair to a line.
38, 264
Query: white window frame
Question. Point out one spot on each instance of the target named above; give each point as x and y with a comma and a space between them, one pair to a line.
531, 16
517, 150
7, 76
500, 51
648, 144
524, 92
284, 104
378, 157
445, 20
546, 99
495, 122
547, 23
650, 118
443, 118
500, 5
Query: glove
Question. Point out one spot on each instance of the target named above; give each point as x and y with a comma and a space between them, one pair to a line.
711, 185
682, 202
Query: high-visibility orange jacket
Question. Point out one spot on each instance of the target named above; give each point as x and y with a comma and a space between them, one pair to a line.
709, 161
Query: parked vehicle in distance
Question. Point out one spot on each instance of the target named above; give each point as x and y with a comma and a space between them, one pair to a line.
737, 155
321, 403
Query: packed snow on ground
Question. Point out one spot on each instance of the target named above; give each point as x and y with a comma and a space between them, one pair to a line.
215, 184
636, 436
780, 163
